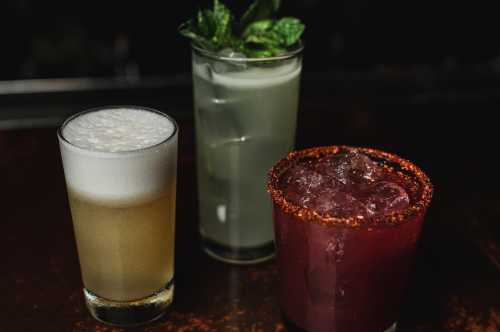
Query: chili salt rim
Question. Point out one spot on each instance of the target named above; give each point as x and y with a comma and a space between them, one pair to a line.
306, 214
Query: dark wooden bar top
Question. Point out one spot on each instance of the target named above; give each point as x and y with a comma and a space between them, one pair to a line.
455, 285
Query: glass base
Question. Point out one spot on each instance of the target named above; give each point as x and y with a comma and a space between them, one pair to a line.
130, 313
239, 256
291, 327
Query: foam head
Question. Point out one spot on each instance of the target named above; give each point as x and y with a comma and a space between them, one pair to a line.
119, 154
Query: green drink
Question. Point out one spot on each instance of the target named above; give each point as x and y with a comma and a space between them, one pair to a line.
246, 74
245, 113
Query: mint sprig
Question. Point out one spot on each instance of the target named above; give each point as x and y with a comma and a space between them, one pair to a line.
259, 10
210, 29
256, 34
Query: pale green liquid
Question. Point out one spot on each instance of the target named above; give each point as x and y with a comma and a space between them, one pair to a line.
242, 128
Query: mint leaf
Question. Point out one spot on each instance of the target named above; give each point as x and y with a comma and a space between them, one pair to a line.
257, 34
223, 19
260, 34
289, 29
273, 36
210, 29
257, 28
269, 39
205, 23
189, 30
259, 10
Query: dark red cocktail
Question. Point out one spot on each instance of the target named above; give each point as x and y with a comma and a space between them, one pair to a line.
346, 223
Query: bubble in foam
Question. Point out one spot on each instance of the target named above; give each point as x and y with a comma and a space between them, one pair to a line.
118, 129
119, 178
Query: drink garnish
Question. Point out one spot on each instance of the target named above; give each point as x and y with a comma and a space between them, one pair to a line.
257, 33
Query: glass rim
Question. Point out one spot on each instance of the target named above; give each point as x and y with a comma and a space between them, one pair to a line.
296, 49
423, 199
116, 153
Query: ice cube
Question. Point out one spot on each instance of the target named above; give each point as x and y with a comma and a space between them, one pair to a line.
363, 168
216, 118
387, 197
350, 168
227, 66
203, 69
299, 184
230, 53
336, 203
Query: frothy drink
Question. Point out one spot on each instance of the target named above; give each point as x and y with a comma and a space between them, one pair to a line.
346, 221
120, 169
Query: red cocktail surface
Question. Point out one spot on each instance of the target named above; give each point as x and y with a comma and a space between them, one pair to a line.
346, 223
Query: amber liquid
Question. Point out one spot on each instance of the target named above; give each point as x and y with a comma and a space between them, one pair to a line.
126, 250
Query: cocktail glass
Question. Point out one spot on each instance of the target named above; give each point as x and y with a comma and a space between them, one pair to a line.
345, 274
123, 210
245, 114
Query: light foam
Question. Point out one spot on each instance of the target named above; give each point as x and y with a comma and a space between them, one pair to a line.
118, 129
113, 156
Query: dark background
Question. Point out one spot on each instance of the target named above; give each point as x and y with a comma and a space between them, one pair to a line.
86, 38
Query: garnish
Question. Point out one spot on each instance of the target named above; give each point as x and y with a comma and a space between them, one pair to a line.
258, 33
